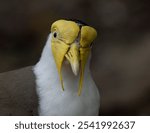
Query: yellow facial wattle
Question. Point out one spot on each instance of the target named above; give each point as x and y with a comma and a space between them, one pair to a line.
73, 43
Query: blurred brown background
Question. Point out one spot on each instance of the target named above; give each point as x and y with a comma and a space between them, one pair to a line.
121, 54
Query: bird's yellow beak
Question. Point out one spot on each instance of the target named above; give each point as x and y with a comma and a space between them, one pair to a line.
73, 57
73, 43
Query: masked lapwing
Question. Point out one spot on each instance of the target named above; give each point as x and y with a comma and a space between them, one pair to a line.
61, 82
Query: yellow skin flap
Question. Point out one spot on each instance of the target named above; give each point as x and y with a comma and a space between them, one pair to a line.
88, 34
66, 44
67, 30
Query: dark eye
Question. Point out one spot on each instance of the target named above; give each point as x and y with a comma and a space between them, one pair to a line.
55, 34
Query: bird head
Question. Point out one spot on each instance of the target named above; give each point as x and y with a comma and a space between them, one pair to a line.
71, 41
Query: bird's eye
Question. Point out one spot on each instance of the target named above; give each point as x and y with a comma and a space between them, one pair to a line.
55, 34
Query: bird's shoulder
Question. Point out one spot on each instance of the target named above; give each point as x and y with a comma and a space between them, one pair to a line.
18, 92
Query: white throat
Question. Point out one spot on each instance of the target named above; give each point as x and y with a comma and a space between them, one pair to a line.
52, 99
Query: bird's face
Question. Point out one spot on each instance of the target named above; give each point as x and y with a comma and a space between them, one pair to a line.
72, 42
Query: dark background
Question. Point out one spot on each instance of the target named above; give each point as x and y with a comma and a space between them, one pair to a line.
121, 53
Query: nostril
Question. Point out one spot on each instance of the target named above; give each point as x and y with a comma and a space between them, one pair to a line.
70, 54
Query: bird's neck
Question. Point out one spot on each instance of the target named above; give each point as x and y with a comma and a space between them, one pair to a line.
47, 75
